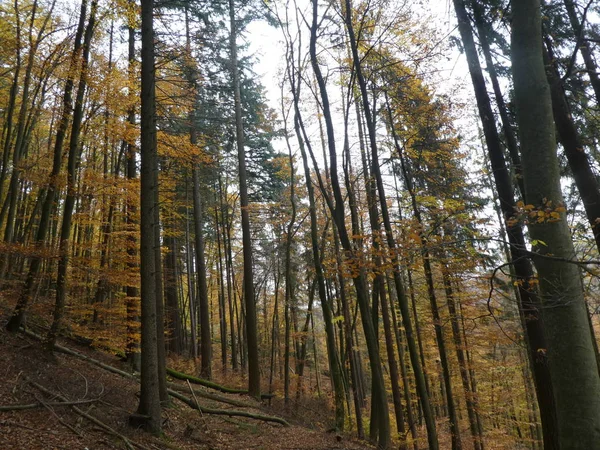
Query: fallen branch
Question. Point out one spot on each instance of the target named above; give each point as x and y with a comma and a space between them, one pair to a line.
5, 408
68, 351
208, 396
210, 384
198, 406
172, 392
227, 412
8, 423
60, 419
205, 383
129, 444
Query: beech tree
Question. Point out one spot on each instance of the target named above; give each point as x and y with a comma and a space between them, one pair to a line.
571, 356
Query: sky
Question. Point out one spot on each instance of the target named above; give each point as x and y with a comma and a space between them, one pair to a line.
266, 44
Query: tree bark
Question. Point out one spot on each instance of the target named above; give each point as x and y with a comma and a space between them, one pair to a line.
507, 128
202, 293
571, 357
530, 303
150, 393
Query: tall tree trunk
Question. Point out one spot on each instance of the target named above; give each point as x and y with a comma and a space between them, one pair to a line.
337, 209
72, 163
336, 370
45, 224
229, 274
251, 328
349, 323
332, 352
21, 141
159, 283
150, 393
132, 350
507, 128
7, 130
384, 428
403, 372
289, 301
222, 309
529, 304
437, 322
571, 357
202, 290
231, 297
379, 296
202, 293
378, 279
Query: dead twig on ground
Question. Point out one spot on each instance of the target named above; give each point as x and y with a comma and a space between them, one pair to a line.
129, 444
60, 419
20, 407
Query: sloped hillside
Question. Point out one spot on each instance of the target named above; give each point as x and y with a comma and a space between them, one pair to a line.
61, 401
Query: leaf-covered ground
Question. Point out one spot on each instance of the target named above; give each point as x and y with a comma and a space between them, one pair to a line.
111, 398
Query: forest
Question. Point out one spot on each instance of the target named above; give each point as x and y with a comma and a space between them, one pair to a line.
401, 230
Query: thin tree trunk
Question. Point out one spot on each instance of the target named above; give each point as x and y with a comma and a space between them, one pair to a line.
132, 350
173, 316
72, 163
403, 372
51, 192
384, 428
568, 136
339, 220
289, 301
251, 328
470, 396
202, 293
222, 310
507, 128
584, 47
159, 283
12, 100
231, 299
446, 386
334, 364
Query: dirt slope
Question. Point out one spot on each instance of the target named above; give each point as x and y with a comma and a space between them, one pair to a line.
110, 399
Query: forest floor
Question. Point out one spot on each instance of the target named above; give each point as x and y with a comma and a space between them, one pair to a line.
111, 398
